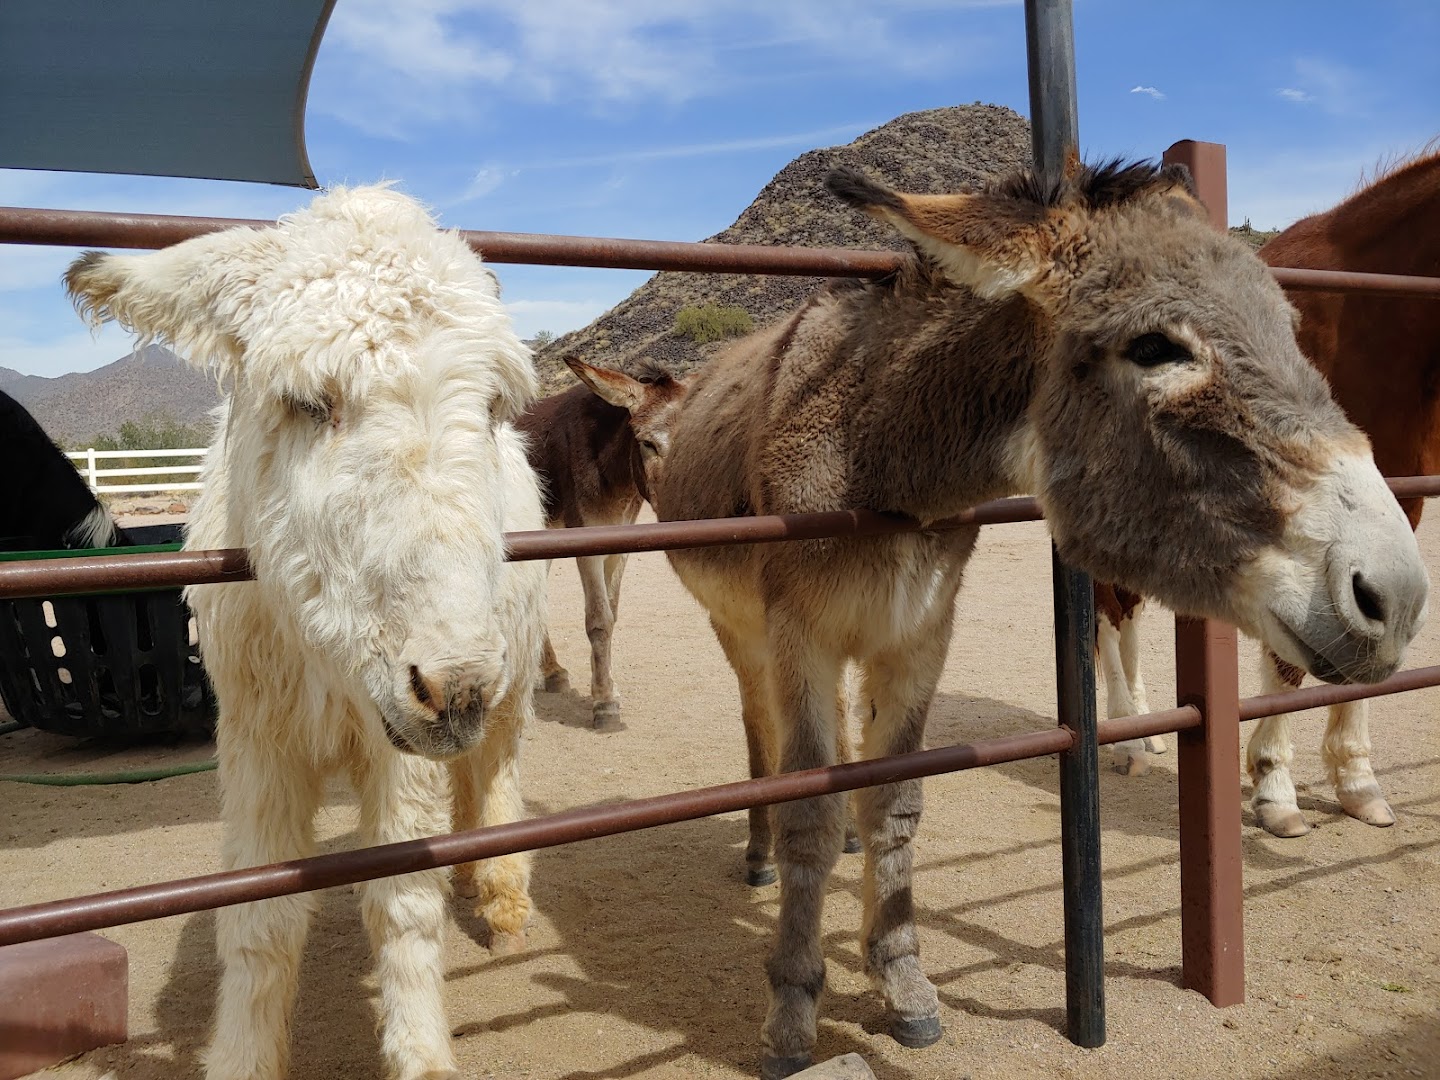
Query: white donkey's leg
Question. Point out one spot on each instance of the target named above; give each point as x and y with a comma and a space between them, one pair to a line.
1347, 757
487, 792
599, 627
1269, 753
403, 797
1130, 757
268, 804
901, 683
1134, 678
808, 838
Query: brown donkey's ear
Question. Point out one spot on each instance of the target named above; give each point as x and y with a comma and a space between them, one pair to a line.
991, 243
615, 387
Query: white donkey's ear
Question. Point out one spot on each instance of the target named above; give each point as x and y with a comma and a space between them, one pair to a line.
192, 295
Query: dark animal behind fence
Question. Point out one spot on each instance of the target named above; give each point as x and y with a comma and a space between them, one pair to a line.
44, 501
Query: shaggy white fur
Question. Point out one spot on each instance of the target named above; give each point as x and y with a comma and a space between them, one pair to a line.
366, 460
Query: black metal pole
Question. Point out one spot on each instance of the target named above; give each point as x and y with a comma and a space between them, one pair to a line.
1055, 137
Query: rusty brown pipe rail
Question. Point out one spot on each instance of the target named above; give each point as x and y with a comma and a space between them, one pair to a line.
76, 914
57, 918
167, 570
1353, 281
171, 569
1252, 708
82, 228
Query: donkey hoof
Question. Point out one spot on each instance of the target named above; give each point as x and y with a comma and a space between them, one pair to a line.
1155, 744
1368, 806
1282, 821
917, 1032
853, 846
758, 876
1132, 764
777, 1068
557, 682
606, 714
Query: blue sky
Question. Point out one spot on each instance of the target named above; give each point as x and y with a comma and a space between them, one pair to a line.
663, 118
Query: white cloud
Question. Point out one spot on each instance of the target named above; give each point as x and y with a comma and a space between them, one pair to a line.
433, 61
485, 180
1332, 87
490, 176
1149, 91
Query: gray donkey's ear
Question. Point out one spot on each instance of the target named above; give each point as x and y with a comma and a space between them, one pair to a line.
990, 243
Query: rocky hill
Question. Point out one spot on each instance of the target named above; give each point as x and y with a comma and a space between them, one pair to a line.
75, 408
932, 151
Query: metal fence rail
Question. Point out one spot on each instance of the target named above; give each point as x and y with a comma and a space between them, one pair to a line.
182, 896
163, 570
89, 228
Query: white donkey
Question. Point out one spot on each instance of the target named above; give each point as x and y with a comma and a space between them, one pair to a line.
366, 460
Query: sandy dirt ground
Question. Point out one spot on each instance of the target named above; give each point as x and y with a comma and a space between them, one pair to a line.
645, 958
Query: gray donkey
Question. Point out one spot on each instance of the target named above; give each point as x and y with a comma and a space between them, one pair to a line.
1094, 342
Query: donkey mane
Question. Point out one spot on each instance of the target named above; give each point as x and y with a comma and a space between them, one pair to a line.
653, 373
1089, 187
1092, 187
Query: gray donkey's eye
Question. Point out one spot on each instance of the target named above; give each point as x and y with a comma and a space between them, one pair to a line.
1152, 350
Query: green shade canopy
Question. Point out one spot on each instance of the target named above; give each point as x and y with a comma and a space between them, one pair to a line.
204, 88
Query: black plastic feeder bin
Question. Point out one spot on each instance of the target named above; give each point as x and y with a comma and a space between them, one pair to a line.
105, 664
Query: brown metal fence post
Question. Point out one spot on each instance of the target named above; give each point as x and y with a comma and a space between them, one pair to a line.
1207, 675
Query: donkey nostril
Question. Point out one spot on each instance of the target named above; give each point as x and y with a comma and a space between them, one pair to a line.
420, 688
1367, 599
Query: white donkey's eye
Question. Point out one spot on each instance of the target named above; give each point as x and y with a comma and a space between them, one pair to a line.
321, 410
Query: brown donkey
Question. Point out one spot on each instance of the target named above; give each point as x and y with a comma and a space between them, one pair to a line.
1381, 356
1095, 342
597, 448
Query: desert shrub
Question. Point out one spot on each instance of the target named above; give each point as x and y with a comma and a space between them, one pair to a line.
712, 322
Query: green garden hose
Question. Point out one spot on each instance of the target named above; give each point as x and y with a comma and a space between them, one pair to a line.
133, 776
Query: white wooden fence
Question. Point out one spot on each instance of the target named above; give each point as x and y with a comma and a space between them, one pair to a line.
89, 464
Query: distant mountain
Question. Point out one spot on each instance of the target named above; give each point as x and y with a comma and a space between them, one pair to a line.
75, 408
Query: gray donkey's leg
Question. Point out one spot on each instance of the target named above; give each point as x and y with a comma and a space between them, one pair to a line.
809, 836
901, 684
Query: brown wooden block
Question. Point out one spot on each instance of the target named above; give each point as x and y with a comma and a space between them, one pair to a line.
59, 998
